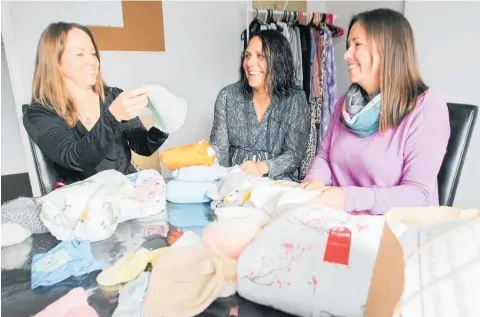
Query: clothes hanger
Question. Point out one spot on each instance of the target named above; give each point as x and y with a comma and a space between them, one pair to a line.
284, 16
269, 17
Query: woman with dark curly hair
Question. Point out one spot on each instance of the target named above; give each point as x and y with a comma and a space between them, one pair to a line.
262, 121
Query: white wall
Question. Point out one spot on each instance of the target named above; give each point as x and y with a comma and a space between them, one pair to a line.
448, 47
202, 54
13, 156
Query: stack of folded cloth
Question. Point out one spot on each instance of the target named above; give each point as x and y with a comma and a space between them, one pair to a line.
195, 172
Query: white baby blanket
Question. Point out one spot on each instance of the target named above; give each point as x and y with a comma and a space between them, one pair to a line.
91, 209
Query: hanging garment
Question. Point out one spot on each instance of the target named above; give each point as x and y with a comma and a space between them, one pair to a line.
332, 73
298, 56
329, 84
311, 151
305, 44
315, 66
322, 58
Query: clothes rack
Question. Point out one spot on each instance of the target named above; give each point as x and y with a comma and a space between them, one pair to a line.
264, 11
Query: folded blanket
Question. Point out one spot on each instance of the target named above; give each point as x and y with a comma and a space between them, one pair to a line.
189, 215
188, 192
200, 173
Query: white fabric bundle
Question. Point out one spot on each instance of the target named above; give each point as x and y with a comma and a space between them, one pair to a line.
92, 209
309, 259
168, 110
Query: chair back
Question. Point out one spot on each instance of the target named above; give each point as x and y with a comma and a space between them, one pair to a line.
47, 176
462, 122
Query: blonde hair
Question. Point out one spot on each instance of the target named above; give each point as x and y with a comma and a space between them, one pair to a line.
48, 88
400, 81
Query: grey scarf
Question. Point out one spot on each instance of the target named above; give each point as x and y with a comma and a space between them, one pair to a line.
357, 99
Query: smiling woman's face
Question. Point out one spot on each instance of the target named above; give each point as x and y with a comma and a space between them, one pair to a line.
255, 64
363, 62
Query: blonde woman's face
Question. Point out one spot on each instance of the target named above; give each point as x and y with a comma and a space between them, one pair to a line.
79, 64
363, 61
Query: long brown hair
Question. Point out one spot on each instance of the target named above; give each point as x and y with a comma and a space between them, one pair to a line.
48, 87
400, 81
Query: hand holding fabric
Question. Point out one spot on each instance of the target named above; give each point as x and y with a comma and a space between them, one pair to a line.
129, 104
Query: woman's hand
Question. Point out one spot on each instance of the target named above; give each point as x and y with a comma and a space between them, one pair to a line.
129, 104
333, 197
312, 184
254, 168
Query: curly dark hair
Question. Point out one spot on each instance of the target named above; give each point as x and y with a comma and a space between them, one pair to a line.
280, 69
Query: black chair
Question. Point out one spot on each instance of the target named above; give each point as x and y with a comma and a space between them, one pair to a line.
462, 122
47, 176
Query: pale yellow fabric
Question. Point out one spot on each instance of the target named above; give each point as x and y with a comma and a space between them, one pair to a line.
126, 269
185, 281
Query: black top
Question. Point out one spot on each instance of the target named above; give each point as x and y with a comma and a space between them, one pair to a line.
78, 153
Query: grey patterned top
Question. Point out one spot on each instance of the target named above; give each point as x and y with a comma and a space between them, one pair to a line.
280, 139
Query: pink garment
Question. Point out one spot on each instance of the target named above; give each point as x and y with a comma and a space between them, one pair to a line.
316, 86
73, 304
230, 237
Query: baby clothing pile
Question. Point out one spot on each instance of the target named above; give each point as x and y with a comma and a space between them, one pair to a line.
195, 172
87, 210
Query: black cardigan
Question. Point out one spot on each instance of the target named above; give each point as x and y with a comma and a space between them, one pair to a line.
78, 153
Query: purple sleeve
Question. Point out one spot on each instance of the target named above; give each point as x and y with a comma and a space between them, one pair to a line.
320, 168
426, 142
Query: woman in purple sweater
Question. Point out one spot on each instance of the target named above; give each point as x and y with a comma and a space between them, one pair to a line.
389, 133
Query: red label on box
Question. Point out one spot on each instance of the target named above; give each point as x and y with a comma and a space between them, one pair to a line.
338, 246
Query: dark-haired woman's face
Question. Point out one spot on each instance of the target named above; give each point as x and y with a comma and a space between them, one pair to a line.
255, 64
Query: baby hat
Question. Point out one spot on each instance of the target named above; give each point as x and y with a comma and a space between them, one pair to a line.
168, 110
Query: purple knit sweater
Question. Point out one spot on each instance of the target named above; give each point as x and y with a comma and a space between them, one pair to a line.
382, 171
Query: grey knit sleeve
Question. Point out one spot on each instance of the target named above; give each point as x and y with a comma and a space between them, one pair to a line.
219, 134
296, 140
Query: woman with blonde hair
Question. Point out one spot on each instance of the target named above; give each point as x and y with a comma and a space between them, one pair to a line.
389, 133
79, 123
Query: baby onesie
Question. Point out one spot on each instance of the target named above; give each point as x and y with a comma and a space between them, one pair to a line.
68, 258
